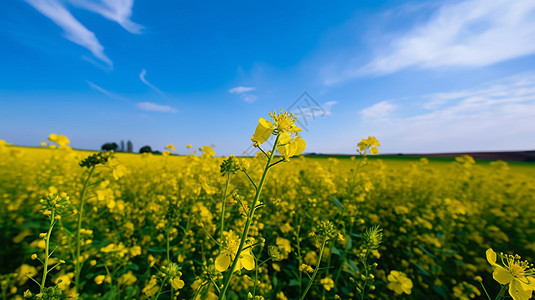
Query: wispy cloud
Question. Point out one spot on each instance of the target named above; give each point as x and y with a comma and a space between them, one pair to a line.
241, 89
145, 81
118, 11
73, 29
105, 92
471, 33
379, 110
466, 34
499, 115
150, 106
248, 98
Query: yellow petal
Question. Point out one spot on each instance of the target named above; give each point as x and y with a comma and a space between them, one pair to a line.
502, 275
263, 131
530, 284
491, 257
222, 262
300, 145
284, 150
284, 138
247, 261
374, 150
176, 283
517, 291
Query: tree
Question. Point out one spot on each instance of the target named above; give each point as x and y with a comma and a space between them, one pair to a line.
145, 149
110, 147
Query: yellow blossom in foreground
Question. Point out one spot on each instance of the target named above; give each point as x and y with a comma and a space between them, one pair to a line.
227, 255
263, 131
514, 272
399, 282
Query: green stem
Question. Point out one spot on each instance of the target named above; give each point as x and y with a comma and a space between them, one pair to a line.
365, 263
160, 290
315, 270
47, 245
167, 242
343, 259
248, 222
78, 263
299, 258
484, 289
328, 264
502, 291
222, 226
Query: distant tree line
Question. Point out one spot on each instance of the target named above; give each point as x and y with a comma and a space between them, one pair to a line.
113, 146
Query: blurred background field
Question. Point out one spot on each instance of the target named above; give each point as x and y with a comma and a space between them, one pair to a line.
438, 216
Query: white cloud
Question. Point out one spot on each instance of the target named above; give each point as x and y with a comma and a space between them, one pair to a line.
467, 34
73, 29
314, 110
499, 115
142, 77
105, 92
241, 89
248, 98
150, 106
379, 110
118, 11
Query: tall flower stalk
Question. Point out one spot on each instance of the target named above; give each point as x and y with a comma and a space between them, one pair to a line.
288, 144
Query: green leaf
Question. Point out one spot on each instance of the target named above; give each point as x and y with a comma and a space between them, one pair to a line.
156, 249
338, 204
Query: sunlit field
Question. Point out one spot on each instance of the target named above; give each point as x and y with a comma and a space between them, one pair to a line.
146, 226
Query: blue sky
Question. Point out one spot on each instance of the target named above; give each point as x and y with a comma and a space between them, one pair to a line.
421, 76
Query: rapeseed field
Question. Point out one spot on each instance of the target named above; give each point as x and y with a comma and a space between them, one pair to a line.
92, 225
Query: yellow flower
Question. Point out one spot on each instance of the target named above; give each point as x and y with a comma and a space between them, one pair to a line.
151, 288
100, 279
189, 146
170, 147
127, 279
399, 282
263, 131
293, 147
207, 151
514, 272
327, 283
285, 122
370, 143
59, 139
227, 255
177, 283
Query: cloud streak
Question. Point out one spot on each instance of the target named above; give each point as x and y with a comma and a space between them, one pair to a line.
243, 91
499, 115
151, 106
466, 34
146, 82
105, 92
118, 11
472, 33
73, 30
